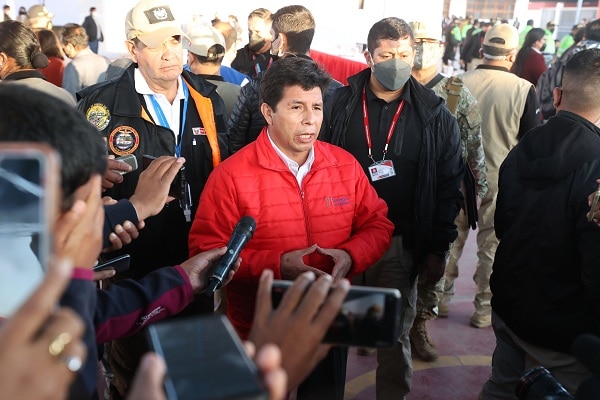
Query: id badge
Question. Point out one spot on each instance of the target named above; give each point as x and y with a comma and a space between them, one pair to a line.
382, 170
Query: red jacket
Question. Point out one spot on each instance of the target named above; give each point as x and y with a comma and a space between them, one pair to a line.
336, 208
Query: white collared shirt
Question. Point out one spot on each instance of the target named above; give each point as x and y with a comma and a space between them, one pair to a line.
299, 171
171, 111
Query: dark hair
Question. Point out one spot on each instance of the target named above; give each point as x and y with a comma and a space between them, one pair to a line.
581, 80
532, 36
579, 34
592, 30
27, 115
388, 28
298, 25
49, 43
75, 35
261, 13
6, 7
21, 44
291, 71
215, 55
92, 9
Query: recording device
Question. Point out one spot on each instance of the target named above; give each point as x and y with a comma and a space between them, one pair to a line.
205, 360
29, 198
242, 233
119, 264
539, 384
128, 159
369, 316
594, 204
178, 182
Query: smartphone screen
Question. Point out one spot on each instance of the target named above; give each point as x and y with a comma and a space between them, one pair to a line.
369, 316
205, 360
28, 187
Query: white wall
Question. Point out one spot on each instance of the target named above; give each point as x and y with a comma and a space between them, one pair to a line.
340, 24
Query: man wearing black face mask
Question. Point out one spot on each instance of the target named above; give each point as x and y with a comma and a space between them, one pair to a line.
409, 146
256, 55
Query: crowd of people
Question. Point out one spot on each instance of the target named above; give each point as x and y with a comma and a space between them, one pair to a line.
376, 183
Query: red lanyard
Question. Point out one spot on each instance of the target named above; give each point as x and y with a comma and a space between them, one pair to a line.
368, 131
257, 64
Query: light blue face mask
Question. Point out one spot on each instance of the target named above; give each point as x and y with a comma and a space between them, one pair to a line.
392, 74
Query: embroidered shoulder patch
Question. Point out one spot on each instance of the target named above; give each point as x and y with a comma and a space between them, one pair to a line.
98, 115
123, 140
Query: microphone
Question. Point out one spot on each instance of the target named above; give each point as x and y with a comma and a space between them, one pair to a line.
242, 233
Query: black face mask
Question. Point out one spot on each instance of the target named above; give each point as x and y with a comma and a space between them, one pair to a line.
256, 42
543, 48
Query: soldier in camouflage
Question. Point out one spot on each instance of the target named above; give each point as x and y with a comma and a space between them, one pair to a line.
463, 105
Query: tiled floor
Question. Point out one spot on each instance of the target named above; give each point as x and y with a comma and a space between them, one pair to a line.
465, 352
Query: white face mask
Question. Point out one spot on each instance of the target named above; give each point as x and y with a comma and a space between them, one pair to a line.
275, 47
427, 54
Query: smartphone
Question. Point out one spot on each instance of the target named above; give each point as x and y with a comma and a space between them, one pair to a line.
128, 159
29, 190
176, 189
119, 264
369, 316
594, 204
205, 360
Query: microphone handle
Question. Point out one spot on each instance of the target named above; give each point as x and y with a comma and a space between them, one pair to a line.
226, 261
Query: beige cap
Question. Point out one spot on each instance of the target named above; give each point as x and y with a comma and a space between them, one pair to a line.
503, 37
39, 11
152, 22
202, 38
423, 31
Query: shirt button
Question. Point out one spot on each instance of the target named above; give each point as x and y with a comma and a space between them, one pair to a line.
385, 108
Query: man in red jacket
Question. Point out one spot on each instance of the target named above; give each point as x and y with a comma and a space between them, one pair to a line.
314, 207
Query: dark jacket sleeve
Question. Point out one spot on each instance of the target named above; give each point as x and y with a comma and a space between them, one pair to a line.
117, 214
246, 120
128, 306
449, 174
531, 114
80, 296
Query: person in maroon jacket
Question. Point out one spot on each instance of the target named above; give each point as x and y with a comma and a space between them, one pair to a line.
529, 63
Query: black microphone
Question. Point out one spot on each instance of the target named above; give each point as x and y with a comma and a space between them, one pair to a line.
242, 233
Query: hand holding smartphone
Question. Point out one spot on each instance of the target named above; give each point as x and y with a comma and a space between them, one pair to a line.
29, 188
176, 186
205, 360
369, 316
130, 160
119, 264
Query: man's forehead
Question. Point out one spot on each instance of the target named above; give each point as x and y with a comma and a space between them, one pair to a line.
297, 94
402, 44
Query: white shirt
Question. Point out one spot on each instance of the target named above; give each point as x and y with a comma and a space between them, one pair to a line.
171, 111
299, 171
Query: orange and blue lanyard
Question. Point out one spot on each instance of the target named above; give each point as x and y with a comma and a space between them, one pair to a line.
162, 120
